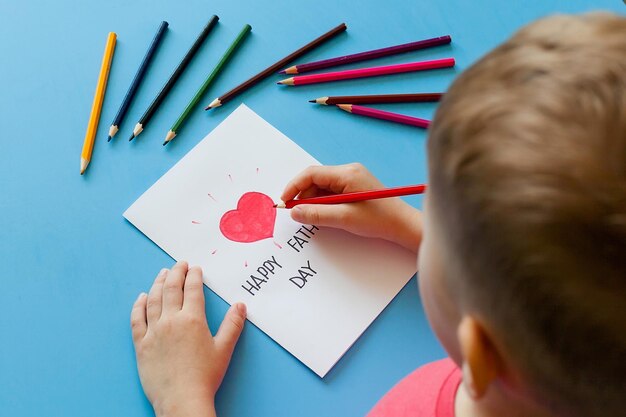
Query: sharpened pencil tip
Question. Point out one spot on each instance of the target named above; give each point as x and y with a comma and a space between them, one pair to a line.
311, 101
83, 165
170, 135
345, 107
112, 131
282, 72
131, 137
109, 139
215, 103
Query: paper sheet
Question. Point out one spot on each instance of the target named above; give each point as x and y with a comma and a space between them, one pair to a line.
313, 290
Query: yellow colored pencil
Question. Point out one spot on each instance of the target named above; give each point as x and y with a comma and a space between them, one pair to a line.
98, 99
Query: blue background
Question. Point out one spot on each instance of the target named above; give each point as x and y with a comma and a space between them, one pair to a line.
72, 266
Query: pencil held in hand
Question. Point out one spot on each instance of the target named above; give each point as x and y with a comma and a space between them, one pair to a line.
357, 196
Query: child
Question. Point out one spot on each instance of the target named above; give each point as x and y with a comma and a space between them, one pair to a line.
522, 257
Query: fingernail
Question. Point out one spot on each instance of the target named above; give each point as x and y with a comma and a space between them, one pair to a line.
162, 272
297, 212
241, 309
141, 294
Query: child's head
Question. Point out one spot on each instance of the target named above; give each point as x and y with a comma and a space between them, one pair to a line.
523, 264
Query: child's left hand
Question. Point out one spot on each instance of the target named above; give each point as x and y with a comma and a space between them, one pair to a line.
181, 365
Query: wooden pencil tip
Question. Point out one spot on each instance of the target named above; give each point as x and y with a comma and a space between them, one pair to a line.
282, 72
215, 103
170, 135
83, 165
280, 205
287, 81
112, 131
346, 107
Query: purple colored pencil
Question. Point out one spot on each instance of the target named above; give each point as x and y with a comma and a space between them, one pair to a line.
363, 56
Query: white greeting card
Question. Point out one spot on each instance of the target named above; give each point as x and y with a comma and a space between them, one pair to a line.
313, 290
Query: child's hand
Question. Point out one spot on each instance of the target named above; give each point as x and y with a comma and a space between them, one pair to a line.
390, 219
180, 364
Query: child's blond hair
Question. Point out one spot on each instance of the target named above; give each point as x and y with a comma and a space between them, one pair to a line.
527, 158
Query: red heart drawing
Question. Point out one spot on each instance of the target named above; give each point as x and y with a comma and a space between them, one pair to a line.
252, 220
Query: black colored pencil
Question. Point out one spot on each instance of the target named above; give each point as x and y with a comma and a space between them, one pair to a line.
134, 85
272, 69
174, 77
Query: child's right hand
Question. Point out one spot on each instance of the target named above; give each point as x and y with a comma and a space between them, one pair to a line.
391, 218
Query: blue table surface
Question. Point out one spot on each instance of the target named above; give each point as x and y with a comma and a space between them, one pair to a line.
72, 266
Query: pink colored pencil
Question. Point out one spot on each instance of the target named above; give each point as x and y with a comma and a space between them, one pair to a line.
357, 196
368, 72
385, 115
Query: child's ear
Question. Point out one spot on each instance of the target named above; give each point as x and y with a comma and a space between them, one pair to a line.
481, 360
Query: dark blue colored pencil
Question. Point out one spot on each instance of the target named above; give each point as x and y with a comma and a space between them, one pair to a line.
134, 86
174, 77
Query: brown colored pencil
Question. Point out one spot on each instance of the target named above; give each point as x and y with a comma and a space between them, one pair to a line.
379, 98
273, 68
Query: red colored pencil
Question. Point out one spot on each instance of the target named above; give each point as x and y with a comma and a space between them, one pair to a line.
385, 115
357, 196
368, 72
362, 56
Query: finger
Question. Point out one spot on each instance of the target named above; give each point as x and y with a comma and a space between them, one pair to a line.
138, 323
155, 298
193, 299
331, 215
173, 288
312, 191
231, 327
330, 178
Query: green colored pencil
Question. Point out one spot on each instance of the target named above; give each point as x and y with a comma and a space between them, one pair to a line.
196, 98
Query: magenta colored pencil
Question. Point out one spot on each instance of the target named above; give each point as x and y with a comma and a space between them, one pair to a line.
363, 56
385, 115
368, 72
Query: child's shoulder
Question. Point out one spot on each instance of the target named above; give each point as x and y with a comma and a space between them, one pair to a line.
428, 391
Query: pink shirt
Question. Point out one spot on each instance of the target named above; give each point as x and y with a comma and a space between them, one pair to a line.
427, 392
